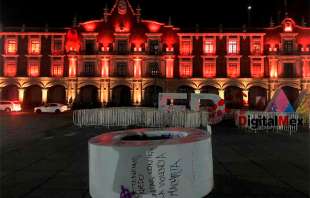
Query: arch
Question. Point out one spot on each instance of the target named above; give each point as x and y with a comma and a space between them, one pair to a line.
88, 97
56, 83
211, 83
209, 89
9, 92
257, 98
56, 93
263, 85
121, 96
33, 83
233, 97
89, 83
292, 93
233, 83
10, 82
151, 95
33, 96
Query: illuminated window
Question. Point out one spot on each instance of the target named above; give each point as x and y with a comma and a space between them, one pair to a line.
186, 48
57, 69
11, 46
33, 68
233, 70
232, 46
209, 70
35, 46
185, 69
209, 47
257, 70
256, 48
10, 68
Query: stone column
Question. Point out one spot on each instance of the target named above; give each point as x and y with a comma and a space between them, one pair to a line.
1, 93
21, 92
245, 97
222, 93
44, 95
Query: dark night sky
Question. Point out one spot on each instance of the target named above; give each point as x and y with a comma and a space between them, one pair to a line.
206, 13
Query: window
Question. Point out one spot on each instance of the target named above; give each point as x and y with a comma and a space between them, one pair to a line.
288, 46
256, 48
233, 70
186, 47
154, 69
209, 47
11, 46
90, 46
232, 47
57, 46
257, 70
185, 69
33, 68
122, 46
154, 47
122, 69
209, 70
89, 68
57, 68
10, 68
35, 46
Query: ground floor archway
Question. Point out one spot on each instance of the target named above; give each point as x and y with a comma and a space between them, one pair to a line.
56, 94
233, 97
33, 96
151, 95
9, 92
88, 97
257, 98
121, 96
209, 89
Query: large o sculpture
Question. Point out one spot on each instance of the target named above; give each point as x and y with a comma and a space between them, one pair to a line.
149, 163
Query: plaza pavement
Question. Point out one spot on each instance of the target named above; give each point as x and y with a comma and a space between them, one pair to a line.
45, 156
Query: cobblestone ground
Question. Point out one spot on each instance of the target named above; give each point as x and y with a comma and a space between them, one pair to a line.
44, 156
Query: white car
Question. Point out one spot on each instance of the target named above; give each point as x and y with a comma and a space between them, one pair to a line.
51, 108
9, 106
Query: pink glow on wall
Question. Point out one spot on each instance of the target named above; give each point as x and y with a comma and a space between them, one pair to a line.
306, 68
169, 67
72, 66
104, 67
90, 27
137, 67
73, 42
153, 26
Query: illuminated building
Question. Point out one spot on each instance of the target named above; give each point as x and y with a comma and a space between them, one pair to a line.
122, 59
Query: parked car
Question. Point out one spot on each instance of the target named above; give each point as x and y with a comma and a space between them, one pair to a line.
9, 106
51, 108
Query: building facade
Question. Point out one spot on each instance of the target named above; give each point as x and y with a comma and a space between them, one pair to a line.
122, 59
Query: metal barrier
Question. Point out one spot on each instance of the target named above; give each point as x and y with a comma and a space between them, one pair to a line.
139, 117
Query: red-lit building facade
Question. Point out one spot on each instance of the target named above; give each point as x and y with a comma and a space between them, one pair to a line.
122, 59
